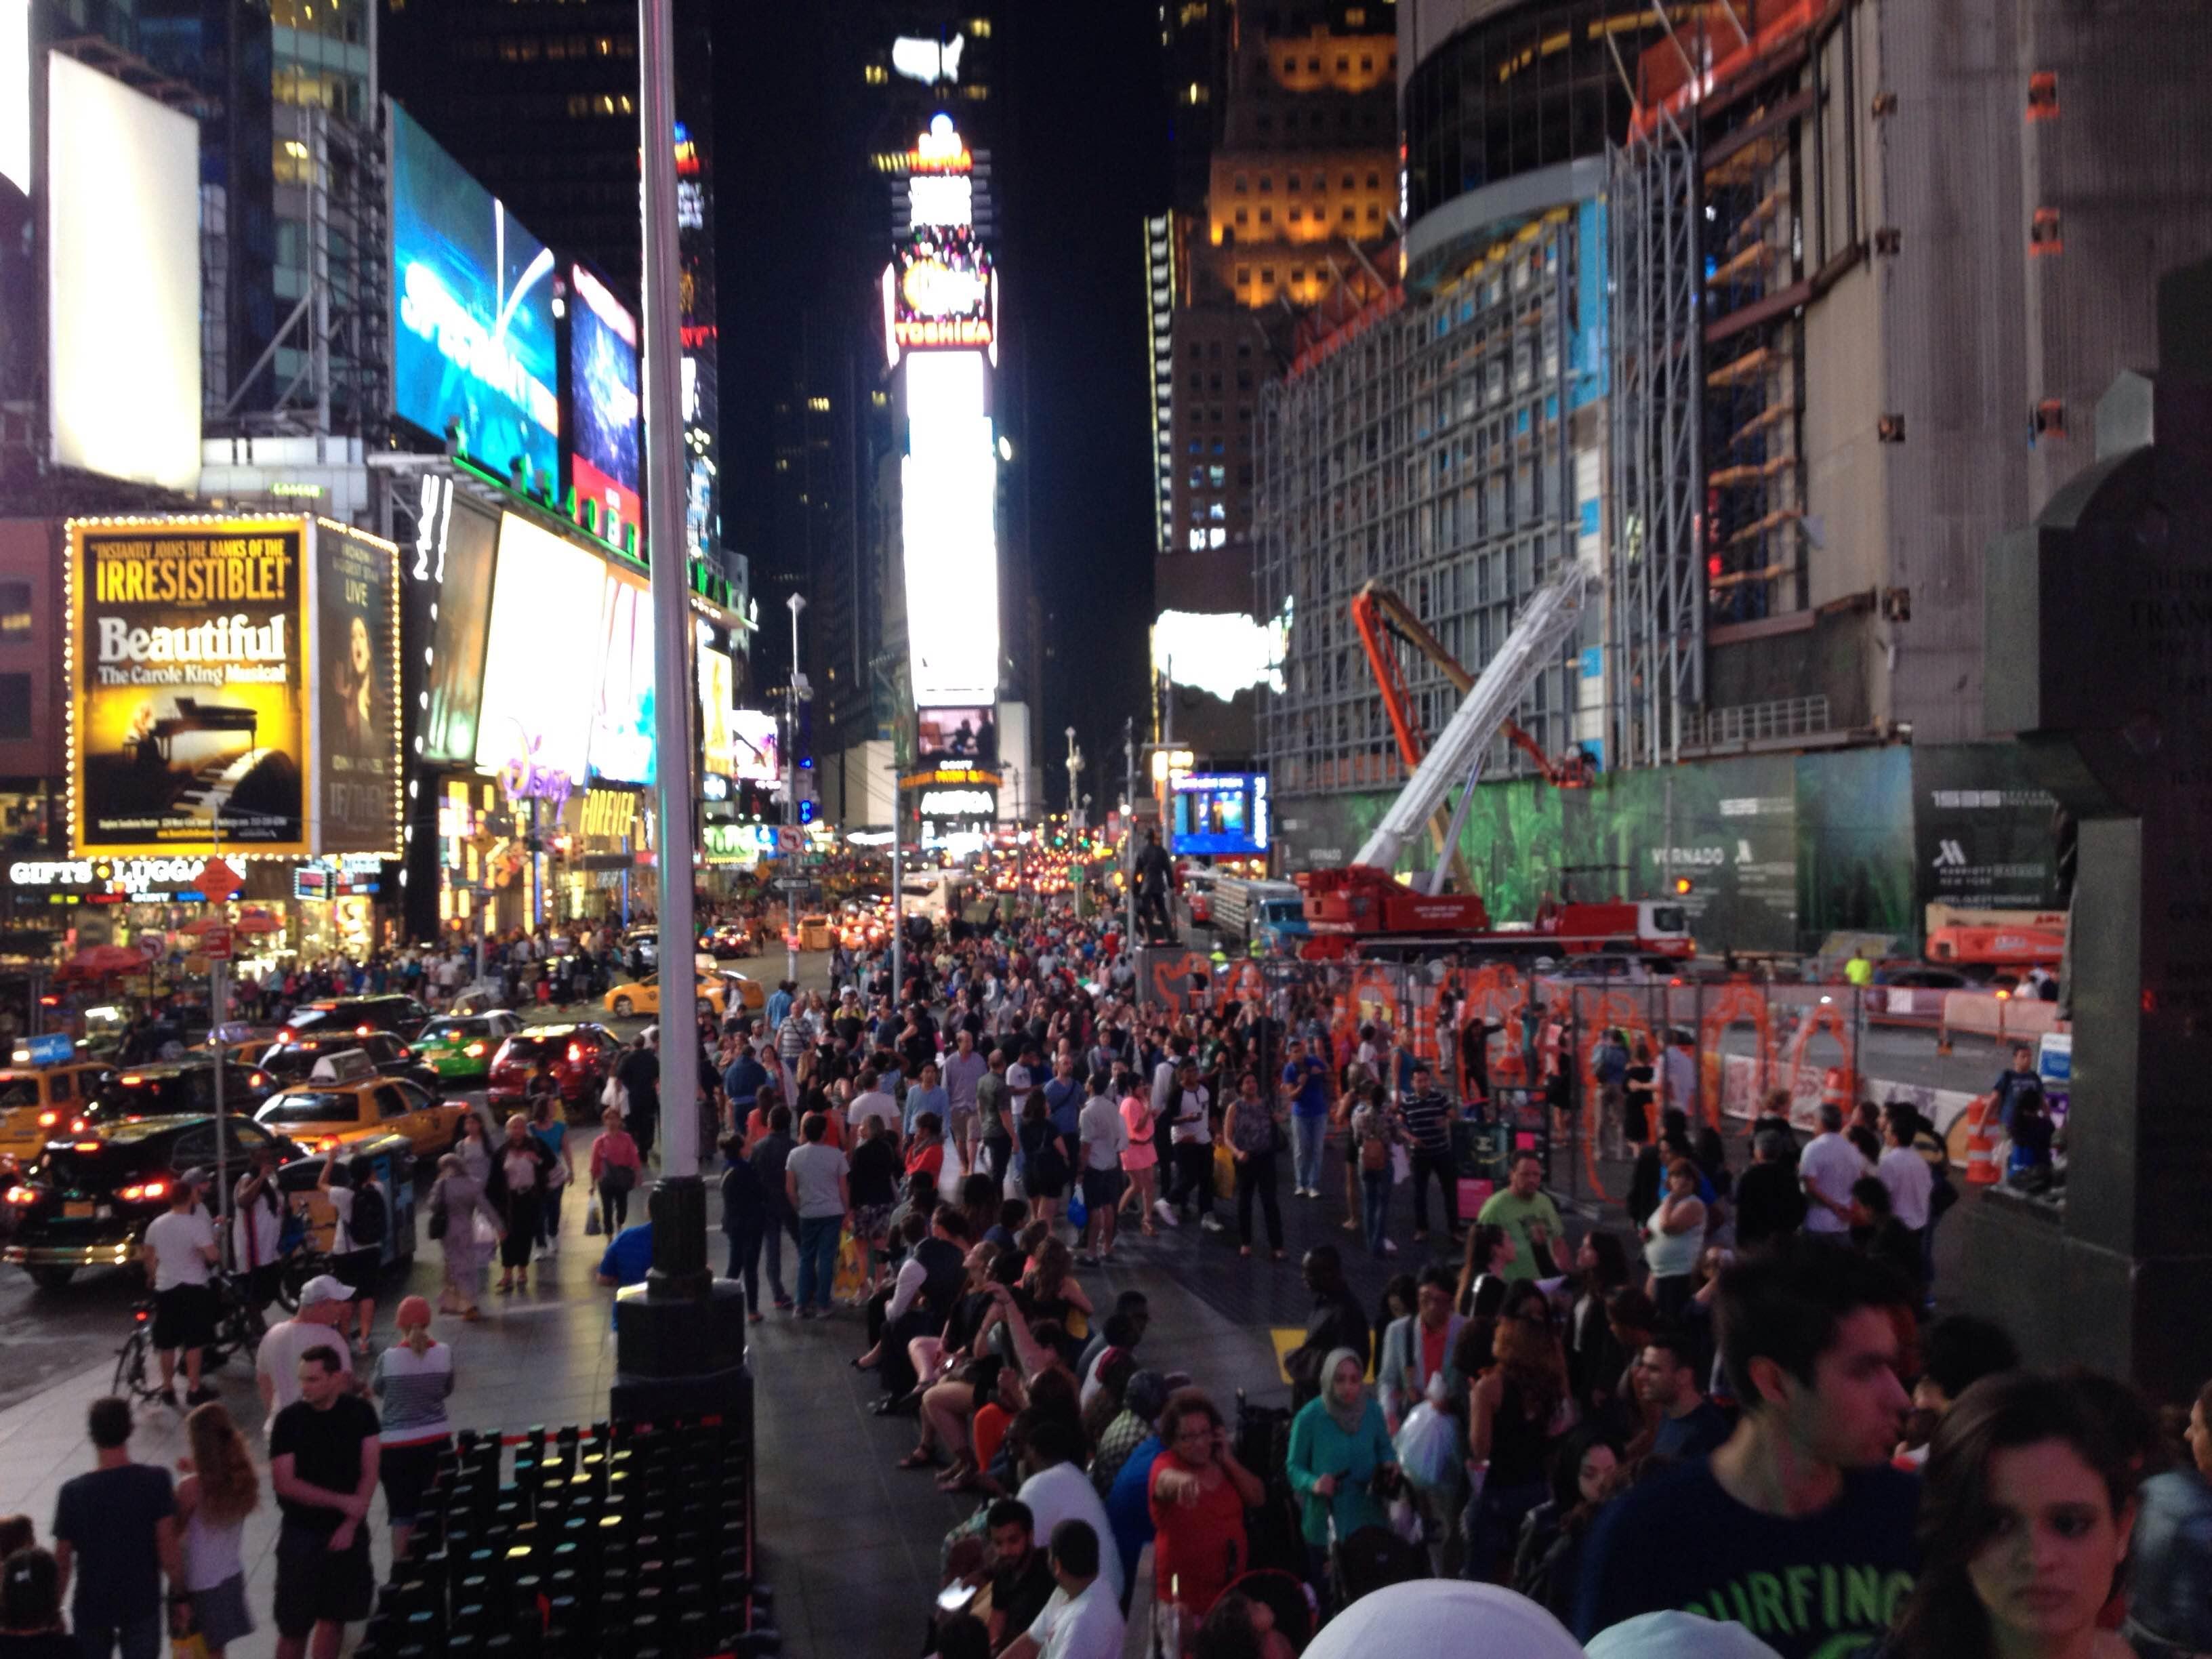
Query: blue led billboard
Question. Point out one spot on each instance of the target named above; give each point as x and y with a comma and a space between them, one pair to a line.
1221, 813
474, 341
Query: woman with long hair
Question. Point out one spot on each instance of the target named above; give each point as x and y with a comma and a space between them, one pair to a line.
413, 1379
1513, 1412
1548, 1563
519, 1176
1594, 1360
219, 1490
2026, 1506
1674, 1237
616, 1170
1044, 1163
1141, 1159
550, 1127
1490, 1252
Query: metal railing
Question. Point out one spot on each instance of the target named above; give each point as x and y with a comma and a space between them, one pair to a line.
1755, 722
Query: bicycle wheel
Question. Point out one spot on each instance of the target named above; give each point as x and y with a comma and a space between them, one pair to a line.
131, 1370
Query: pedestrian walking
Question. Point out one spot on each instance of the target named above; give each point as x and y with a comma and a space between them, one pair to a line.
1254, 1137
364, 1216
519, 1176
179, 1254
219, 1490
1427, 1116
323, 1456
639, 1073
551, 1132
770, 1157
615, 1169
116, 1538
413, 1380
467, 1230
815, 1184
321, 1323
1140, 1158
745, 1220
1375, 1134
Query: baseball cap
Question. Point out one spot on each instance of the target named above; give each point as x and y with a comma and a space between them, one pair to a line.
323, 1288
1677, 1635
196, 1176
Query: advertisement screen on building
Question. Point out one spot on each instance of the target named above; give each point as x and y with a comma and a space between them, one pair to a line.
942, 291
472, 301
603, 398
756, 743
949, 531
717, 692
357, 679
622, 719
1223, 813
122, 221
189, 713
539, 690
968, 735
466, 553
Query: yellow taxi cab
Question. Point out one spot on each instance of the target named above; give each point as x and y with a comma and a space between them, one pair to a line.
719, 990
37, 1102
343, 1100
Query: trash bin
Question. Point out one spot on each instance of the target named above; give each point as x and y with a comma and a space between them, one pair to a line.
814, 933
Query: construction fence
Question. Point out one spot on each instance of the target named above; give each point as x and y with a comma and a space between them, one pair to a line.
1537, 1037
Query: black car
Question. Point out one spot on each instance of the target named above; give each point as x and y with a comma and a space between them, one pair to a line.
96, 1190
329, 1015
288, 1063
174, 1088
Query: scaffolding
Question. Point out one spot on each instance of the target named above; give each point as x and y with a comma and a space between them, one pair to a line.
1426, 445
1657, 620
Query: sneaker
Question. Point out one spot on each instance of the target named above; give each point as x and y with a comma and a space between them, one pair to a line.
807, 1313
1389, 1248
201, 1396
1212, 1224
167, 1397
552, 1247
1086, 1259
1165, 1210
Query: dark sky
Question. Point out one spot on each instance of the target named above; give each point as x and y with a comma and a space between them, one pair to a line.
1082, 160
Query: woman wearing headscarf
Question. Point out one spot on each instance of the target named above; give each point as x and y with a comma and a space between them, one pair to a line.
1338, 1447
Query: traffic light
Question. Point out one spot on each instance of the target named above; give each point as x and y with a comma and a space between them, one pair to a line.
805, 811
1682, 886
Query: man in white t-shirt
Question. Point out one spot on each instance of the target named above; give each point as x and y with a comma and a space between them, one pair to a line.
1105, 1137
1678, 1070
1059, 1491
1827, 1167
1903, 1170
873, 1102
277, 1363
179, 1254
1084, 1619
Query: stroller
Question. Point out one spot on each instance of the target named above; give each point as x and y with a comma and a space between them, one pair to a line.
1272, 1534
1372, 1559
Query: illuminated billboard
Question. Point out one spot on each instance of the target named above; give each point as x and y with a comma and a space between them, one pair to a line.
718, 691
122, 207
473, 349
758, 744
1221, 812
942, 293
605, 435
541, 686
967, 737
355, 670
461, 546
949, 478
189, 712
622, 719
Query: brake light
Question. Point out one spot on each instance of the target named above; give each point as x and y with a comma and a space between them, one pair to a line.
78, 1126
364, 1031
20, 1195
288, 1034
474, 1051
142, 1316
50, 1002
151, 1189
261, 1080
575, 1054
131, 1080
47, 1119
89, 1147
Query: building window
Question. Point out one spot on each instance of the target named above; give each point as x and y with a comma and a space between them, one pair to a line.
1243, 275
1374, 181
1295, 216
1217, 477
15, 607
1216, 510
1240, 216
1350, 213
1374, 213
1343, 65
14, 706
1313, 66
1240, 183
1292, 182
1298, 275
1266, 182
1266, 215
1216, 538
1267, 275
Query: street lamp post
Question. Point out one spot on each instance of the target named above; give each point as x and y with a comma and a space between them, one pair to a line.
798, 603
1074, 798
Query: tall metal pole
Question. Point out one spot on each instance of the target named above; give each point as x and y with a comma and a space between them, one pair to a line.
666, 494
1129, 827
798, 603
898, 890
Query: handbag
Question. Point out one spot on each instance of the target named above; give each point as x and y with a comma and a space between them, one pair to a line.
618, 1177
438, 1217
1402, 1164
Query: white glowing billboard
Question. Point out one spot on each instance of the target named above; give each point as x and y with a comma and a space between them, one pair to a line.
123, 287
1221, 652
949, 481
15, 94
541, 677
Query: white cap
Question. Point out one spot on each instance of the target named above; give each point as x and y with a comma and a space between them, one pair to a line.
1444, 1615
1677, 1635
323, 1288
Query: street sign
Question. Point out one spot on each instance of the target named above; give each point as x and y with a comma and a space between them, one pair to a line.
218, 880
792, 884
214, 943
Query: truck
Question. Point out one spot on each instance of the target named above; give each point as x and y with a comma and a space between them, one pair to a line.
1266, 917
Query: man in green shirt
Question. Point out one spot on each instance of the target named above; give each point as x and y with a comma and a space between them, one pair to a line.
1527, 1216
996, 1134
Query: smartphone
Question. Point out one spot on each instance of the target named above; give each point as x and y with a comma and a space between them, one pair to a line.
955, 1597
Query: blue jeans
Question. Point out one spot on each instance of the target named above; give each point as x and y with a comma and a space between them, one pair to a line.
1308, 1130
818, 1258
1375, 1190
139, 1638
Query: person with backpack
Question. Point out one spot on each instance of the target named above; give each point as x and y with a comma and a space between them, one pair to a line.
364, 1218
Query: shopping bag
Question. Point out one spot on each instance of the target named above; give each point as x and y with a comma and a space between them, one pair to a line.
1401, 1165
592, 1222
847, 1282
193, 1646
1428, 1446
1224, 1170
1078, 1212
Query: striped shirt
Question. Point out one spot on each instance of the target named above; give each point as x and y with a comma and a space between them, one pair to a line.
411, 1389
1428, 1122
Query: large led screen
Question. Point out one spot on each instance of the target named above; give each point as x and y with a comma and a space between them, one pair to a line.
541, 682
603, 398
718, 691
466, 548
949, 481
189, 713
959, 736
622, 719
756, 741
123, 292
1221, 812
474, 299
356, 680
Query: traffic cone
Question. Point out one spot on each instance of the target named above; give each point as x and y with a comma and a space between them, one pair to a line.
1981, 1144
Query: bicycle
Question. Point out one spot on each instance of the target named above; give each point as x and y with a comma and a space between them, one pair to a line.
239, 1328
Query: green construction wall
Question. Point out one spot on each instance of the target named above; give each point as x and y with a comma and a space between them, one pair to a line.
1782, 849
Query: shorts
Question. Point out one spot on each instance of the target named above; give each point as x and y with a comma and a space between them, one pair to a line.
316, 1583
1101, 1189
183, 1317
961, 1117
357, 1269
220, 1615
872, 1221
406, 1473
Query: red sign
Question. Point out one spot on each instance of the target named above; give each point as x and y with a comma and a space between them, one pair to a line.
214, 943
219, 881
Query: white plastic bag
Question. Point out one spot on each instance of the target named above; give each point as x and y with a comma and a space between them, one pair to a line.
1405, 1519
1401, 1165
1428, 1446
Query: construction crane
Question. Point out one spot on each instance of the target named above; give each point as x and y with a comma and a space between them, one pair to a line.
1365, 897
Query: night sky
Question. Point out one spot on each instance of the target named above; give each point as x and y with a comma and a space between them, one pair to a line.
1083, 160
